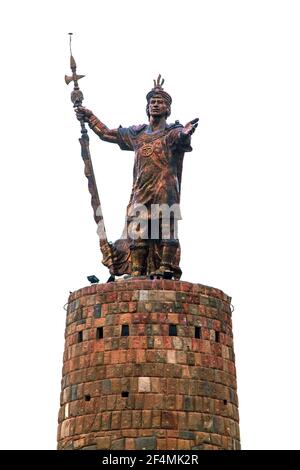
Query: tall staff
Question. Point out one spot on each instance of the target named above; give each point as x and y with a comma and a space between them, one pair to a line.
77, 98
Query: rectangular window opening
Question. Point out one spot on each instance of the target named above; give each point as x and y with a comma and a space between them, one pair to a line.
125, 394
172, 330
99, 332
197, 332
125, 330
87, 397
80, 337
217, 336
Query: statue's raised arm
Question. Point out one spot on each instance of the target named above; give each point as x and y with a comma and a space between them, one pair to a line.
109, 135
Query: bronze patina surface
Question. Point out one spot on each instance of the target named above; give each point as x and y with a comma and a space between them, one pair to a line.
159, 149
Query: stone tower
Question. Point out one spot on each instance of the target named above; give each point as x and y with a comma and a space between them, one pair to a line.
148, 364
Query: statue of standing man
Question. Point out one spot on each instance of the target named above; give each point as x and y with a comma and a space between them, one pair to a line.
152, 248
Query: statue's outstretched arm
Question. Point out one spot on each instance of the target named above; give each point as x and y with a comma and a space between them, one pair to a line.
181, 136
109, 135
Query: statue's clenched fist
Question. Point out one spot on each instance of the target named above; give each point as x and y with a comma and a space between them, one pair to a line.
83, 114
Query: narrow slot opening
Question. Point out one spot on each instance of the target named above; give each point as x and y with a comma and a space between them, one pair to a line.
99, 332
197, 332
217, 336
79, 337
125, 330
172, 330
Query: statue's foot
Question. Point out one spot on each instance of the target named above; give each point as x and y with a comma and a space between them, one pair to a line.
162, 273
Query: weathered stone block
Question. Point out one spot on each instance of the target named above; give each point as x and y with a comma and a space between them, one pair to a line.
144, 384
103, 442
145, 443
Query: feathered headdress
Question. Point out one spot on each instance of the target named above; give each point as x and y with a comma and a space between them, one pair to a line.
158, 90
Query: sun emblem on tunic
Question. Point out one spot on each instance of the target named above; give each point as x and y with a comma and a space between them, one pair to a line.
147, 150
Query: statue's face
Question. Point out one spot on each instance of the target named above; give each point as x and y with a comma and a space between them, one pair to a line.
157, 106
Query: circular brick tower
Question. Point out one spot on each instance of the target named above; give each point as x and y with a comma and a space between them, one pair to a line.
148, 365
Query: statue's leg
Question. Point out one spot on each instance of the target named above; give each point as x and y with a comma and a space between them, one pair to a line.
169, 250
139, 253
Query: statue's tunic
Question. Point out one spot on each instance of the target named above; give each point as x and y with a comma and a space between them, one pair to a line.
156, 180
158, 163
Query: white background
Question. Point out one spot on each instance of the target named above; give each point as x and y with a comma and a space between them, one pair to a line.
233, 64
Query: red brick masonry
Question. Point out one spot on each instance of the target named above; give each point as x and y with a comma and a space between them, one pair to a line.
129, 383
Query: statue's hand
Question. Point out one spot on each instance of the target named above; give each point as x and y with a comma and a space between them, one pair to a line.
83, 114
190, 127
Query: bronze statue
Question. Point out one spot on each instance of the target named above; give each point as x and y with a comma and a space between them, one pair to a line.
152, 247
159, 150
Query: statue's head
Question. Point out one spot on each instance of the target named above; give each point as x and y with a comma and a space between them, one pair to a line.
158, 101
